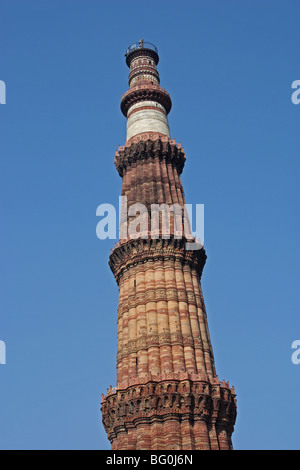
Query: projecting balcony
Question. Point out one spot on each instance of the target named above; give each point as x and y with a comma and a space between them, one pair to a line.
147, 47
141, 45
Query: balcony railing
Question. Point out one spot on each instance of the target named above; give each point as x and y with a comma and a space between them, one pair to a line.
141, 45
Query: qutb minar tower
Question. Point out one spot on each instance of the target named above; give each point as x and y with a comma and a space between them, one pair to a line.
168, 395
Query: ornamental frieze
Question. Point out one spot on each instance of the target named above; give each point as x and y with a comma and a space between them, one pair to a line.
149, 294
191, 297
161, 149
160, 294
164, 339
149, 92
164, 399
130, 253
157, 295
172, 294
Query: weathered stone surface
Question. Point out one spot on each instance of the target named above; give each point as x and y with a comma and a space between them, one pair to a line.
168, 395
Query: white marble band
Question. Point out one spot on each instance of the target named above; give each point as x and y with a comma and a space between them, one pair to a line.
150, 118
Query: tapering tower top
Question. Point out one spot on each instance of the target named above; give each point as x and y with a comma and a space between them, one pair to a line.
141, 48
146, 105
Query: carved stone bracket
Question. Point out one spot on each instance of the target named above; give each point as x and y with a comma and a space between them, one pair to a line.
169, 398
133, 252
145, 93
156, 147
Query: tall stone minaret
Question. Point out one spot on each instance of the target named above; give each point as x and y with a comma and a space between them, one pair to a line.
168, 395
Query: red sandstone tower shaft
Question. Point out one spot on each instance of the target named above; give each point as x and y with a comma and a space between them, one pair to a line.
168, 395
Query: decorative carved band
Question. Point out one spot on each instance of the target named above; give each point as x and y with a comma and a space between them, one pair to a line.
159, 294
169, 399
145, 93
149, 146
142, 70
146, 342
133, 252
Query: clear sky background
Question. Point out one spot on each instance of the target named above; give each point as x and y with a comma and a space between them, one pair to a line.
228, 66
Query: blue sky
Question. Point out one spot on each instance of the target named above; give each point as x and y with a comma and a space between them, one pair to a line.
229, 67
